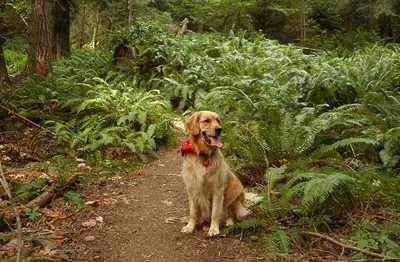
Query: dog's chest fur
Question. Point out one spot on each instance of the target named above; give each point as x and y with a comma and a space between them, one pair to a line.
200, 179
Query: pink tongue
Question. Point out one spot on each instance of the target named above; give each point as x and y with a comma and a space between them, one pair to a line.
215, 142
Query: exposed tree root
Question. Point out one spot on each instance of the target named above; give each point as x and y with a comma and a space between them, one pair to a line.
32, 123
347, 246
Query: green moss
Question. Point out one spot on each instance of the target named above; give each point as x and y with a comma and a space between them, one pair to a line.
42, 182
25, 197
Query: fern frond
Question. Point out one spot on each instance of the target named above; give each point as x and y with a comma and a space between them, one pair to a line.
315, 187
281, 239
277, 173
345, 143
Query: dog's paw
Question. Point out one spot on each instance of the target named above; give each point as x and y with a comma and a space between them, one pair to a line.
187, 229
213, 232
229, 222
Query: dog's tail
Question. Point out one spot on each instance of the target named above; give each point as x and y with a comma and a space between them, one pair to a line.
250, 199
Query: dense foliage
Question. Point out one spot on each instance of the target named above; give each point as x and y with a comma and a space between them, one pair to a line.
321, 131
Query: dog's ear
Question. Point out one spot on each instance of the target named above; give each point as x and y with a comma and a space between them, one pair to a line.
192, 125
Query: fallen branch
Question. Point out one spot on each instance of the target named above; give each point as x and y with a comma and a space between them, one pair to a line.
347, 246
182, 30
32, 123
41, 200
49, 194
19, 226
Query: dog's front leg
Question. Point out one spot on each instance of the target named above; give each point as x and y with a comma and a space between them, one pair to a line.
217, 205
194, 214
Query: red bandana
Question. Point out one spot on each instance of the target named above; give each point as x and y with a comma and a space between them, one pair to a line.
187, 147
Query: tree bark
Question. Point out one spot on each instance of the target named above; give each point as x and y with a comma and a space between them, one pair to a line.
4, 78
61, 30
95, 29
128, 13
182, 30
82, 26
43, 51
30, 66
303, 31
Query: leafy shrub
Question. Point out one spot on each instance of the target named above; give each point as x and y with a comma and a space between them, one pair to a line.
115, 118
15, 61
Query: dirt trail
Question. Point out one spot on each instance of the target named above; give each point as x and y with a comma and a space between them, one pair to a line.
144, 222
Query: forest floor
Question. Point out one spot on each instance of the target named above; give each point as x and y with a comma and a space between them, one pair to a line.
144, 221
136, 216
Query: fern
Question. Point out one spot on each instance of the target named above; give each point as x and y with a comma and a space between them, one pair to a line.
277, 173
245, 224
316, 188
281, 239
74, 197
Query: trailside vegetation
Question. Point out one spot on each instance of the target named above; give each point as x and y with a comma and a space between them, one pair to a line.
316, 134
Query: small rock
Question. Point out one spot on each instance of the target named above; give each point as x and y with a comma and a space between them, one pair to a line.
13, 243
46, 241
103, 173
254, 238
102, 180
89, 238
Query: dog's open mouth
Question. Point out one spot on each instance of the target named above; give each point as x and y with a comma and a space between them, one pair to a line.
212, 140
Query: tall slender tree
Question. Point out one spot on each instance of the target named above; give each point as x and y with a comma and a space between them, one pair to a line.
30, 66
60, 44
128, 13
3, 68
43, 51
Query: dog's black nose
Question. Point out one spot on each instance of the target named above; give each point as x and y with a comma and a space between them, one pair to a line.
218, 130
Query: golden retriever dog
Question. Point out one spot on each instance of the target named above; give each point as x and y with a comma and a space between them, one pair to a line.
214, 191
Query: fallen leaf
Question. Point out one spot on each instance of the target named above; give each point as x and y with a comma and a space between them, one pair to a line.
47, 252
115, 178
254, 238
18, 176
99, 219
83, 166
206, 229
90, 223
168, 203
110, 200
94, 203
171, 220
51, 214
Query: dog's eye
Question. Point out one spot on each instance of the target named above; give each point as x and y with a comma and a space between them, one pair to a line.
207, 121
219, 122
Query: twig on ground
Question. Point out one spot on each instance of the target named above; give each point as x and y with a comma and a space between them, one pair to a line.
19, 226
347, 246
32, 123
365, 260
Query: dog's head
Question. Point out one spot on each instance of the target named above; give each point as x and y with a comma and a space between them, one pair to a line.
205, 128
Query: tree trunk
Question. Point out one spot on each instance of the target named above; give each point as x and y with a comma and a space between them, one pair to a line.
3, 68
303, 34
61, 26
30, 66
95, 29
236, 22
43, 50
82, 26
182, 30
128, 13
4, 78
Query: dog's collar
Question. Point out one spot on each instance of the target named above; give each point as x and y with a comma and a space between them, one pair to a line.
187, 147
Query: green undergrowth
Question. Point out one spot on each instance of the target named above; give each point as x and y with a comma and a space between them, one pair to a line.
318, 133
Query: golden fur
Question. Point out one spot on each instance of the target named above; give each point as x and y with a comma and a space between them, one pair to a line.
214, 191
